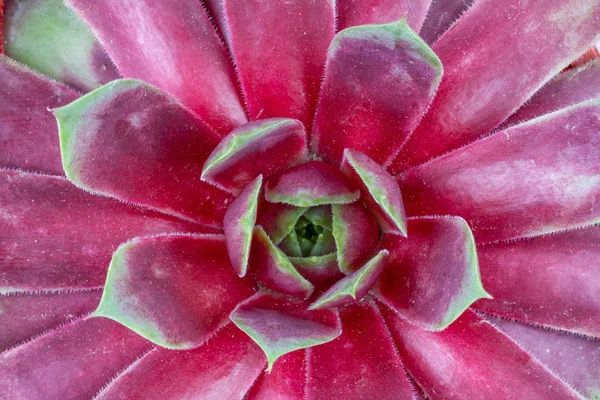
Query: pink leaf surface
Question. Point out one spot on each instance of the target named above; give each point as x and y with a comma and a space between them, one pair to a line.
319, 270
356, 236
279, 49
280, 325
360, 364
472, 359
222, 368
312, 184
131, 141
379, 79
573, 358
174, 290
378, 189
172, 45
565, 89
29, 136
72, 362
273, 269
441, 15
535, 178
278, 219
262, 147
549, 280
285, 381
238, 225
432, 276
495, 58
27, 314
362, 12
55, 236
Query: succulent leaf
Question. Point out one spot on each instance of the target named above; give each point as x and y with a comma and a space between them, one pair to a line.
379, 80
354, 286
238, 225
290, 245
129, 140
356, 236
325, 244
535, 178
432, 276
440, 16
144, 275
378, 189
173, 46
312, 184
320, 215
260, 147
364, 12
273, 269
24, 98
280, 326
284, 381
278, 219
318, 269
283, 78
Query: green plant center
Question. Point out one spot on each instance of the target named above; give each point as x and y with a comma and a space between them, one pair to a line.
307, 233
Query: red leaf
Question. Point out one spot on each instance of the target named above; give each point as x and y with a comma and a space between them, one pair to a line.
285, 381
362, 12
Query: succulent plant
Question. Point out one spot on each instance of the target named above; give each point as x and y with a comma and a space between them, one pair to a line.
300, 199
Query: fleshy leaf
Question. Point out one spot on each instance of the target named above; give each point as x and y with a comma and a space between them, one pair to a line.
50, 38
440, 16
535, 178
238, 225
290, 246
27, 314
280, 325
57, 237
131, 141
325, 244
279, 49
172, 45
379, 80
379, 190
260, 147
57, 364
573, 358
29, 135
173, 290
493, 62
222, 368
356, 236
318, 269
312, 184
363, 12
285, 381
548, 280
320, 215
432, 276
354, 286
272, 268
481, 361
361, 364
278, 219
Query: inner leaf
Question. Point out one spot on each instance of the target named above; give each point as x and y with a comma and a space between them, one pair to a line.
307, 233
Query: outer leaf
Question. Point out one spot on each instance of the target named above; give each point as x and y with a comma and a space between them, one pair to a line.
29, 136
440, 16
285, 381
238, 225
362, 12
432, 277
131, 141
222, 368
279, 50
356, 236
378, 82
361, 364
325, 244
170, 44
312, 184
534, 178
280, 326
278, 219
379, 190
26, 314
271, 267
573, 358
55, 236
320, 270
57, 364
550, 280
495, 58
173, 290
471, 359
354, 286
261, 147
48, 37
